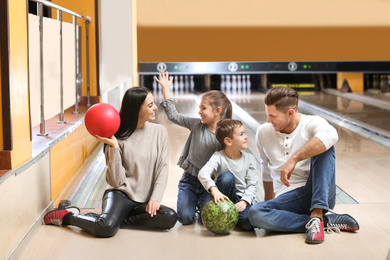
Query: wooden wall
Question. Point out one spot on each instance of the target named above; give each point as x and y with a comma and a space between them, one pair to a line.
259, 30
19, 93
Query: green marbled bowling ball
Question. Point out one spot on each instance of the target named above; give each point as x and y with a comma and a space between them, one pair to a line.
220, 218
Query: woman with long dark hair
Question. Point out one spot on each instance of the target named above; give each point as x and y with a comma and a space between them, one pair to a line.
137, 160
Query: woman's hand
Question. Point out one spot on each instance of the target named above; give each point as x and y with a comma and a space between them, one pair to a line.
218, 196
152, 207
111, 141
165, 82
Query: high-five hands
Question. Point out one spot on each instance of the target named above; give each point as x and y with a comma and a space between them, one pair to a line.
164, 80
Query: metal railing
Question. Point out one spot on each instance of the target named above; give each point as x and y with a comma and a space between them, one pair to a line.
78, 78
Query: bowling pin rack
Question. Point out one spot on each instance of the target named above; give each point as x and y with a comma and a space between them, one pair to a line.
302, 75
192, 68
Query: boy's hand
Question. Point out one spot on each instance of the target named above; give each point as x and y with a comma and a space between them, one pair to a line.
218, 196
241, 206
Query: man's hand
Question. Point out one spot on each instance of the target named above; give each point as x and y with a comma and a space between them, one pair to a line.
312, 148
286, 171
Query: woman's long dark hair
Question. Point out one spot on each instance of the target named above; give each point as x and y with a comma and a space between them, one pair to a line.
129, 112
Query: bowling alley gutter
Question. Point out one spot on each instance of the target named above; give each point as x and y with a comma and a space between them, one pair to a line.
367, 100
369, 132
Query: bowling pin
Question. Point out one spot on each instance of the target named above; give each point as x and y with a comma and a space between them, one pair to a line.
154, 84
234, 82
248, 82
186, 83
181, 84
176, 83
239, 83
227, 83
192, 83
222, 87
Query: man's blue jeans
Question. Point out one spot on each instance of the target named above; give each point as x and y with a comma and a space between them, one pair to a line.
291, 211
227, 185
191, 195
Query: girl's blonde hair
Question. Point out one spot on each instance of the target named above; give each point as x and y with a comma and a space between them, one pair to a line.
216, 99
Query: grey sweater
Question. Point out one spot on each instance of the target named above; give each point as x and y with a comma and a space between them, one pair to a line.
244, 171
201, 143
139, 167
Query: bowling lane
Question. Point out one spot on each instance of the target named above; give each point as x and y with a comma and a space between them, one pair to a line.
377, 94
361, 165
352, 109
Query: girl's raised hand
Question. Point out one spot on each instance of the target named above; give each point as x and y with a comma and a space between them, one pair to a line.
164, 80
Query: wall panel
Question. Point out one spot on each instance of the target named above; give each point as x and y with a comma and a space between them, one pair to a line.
116, 43
23, 198
1, 110
262, 30
173, 44
19, 99
51, 67
67, 157
84, 8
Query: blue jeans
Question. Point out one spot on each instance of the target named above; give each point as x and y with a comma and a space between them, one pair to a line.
227, 185
291, 211
191, 195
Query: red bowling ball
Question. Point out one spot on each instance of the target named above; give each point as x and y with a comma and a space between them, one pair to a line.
102, 119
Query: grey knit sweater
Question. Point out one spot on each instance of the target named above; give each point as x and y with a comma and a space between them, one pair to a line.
201, 143
139, 167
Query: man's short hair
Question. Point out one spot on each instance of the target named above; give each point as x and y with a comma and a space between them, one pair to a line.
225, 128
284, 98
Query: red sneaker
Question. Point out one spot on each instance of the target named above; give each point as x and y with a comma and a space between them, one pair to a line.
315, 231
55, 217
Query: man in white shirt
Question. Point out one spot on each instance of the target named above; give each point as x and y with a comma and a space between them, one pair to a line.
298, 169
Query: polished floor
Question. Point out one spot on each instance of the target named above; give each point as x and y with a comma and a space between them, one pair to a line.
370, 113
362, 172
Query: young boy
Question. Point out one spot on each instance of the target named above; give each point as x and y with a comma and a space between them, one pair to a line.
234, 171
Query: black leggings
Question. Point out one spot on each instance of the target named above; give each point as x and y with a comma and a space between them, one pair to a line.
121, 212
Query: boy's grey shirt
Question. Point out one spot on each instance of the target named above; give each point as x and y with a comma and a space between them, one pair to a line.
244, 171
